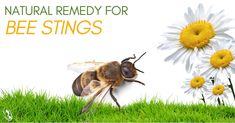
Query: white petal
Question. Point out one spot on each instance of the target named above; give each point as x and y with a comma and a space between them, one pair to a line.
188, 62
232, 64
209, 17
181, 26
196, 72
216, 46
224, 35
214, 73
169, 45
221, 23
232, 68
173, 33
208, 71
208, 14
172, 36
210, 97
174, 54
194, 94
218, 21
221, 30
197, 13
225, 72
204, 66
196, 51
201, 11
180, 55
225, 95
187, 18
174, 39
188, 91
174, 27
216, 16
204, 59
191, 14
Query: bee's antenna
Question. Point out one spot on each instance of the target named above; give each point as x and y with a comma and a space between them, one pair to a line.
139, 57
126, 59
138, 60
139, 70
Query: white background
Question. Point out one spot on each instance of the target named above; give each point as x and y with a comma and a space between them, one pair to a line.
40, 62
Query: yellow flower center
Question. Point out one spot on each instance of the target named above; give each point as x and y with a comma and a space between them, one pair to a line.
218, 90
197, 34
197, 82
221, 58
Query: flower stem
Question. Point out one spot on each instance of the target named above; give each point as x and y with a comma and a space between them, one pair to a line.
231, 87
203, 99
219, 102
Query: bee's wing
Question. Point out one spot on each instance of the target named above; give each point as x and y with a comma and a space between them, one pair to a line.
89, 90
92, 87
84, 66
90, 102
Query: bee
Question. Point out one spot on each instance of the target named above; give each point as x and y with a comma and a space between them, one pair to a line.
104, 75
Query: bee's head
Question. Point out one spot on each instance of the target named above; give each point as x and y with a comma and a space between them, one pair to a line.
128, 68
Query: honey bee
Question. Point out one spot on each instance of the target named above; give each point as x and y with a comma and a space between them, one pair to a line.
104, 75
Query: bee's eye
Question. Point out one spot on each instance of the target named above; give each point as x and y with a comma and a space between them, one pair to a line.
126, 72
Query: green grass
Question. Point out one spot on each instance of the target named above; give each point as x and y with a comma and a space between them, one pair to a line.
29, 106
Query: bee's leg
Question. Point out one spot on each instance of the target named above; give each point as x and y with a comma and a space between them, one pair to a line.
90, 102
114, 99
127, 80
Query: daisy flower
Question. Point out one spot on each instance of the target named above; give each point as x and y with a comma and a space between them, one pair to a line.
219, 60
195, 35
196, 84
217, 91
